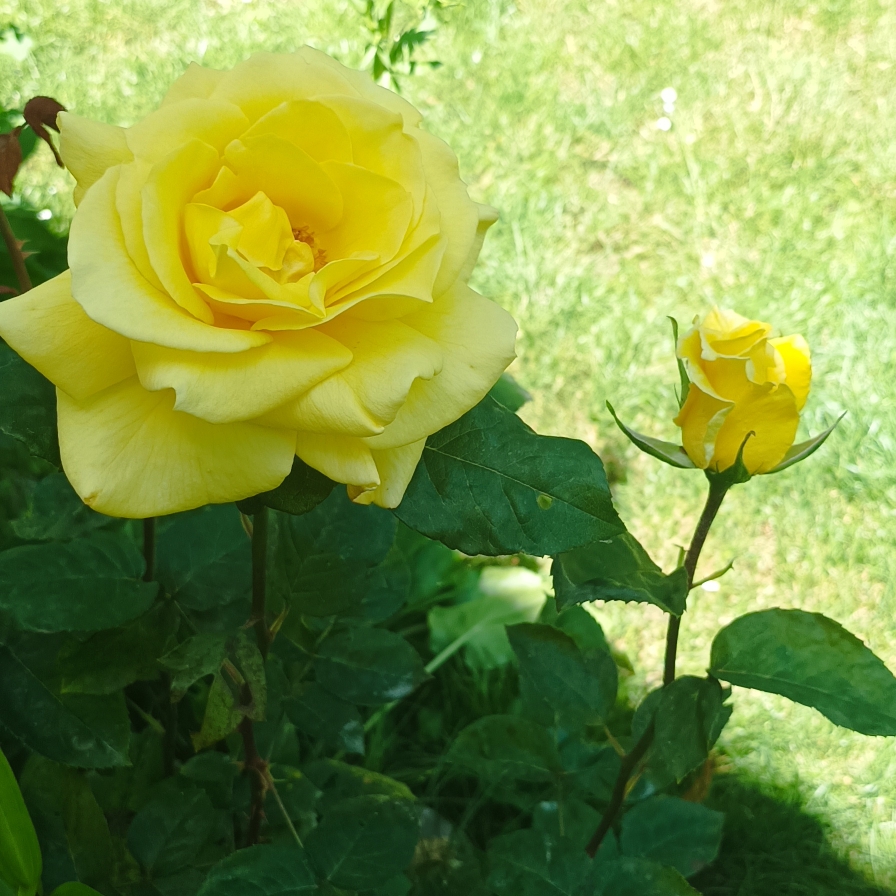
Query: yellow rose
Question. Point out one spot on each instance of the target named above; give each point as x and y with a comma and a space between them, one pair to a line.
741, 381
272, 264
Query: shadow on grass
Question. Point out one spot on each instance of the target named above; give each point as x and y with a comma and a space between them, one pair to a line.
771, 847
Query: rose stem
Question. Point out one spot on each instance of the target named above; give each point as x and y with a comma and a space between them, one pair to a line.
149, 548
254, 764
15, 253
630, 761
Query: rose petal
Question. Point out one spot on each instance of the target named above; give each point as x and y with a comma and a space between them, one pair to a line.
127, 452
311, 126
396, 467
794, 351
50, 330
700, 419
89, 149
197, 82
342, 458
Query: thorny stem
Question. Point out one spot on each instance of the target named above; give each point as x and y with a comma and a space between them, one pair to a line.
15, 253
257, 769
630, 761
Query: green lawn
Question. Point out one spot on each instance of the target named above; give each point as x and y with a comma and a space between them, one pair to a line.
773, 192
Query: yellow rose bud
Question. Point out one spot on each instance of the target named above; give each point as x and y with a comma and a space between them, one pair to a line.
273, 263
742, 380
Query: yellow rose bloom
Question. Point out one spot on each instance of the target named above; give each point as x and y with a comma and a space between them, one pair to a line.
742, 380
273, 263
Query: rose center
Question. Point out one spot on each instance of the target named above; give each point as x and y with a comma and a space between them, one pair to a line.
304, 235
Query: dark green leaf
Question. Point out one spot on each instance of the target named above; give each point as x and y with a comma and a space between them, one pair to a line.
214, 772
525, 863
667, 452
86, 585
509, 392
75, 834
109, 661
339, 781
73, 888
584, 629
28, 407
617, 569
79, 730
639, 877
261, 871
56, 513
688, 717
223, 713
804, 449
323, 561
812, 660
326, 717
193, 659
20, 859
168, 832
302, 490
575, 688
674, 832
205, 558
363, 842
368, 666
506, 748
572, 819
487, 484
395, 886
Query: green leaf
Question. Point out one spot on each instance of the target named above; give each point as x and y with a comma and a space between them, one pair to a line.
261, 871
584, 629
192, 660
525, 863
323, 561
302, 490
363, 842
638, 877
214, 772
73, 888
325, 717
78, 730
395, 886
572, 818
222, 716
509, 392
688, 716
368, 666
20, 860
71, 825
487, 484
575, 688
205, 558
86, 585
674, 832
499, 749
56, 513
667, 452
617, 569
28, 406
811, 660
109, 661
169, 831
804, 449
338, 781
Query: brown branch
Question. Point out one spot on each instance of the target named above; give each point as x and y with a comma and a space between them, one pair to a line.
15, 253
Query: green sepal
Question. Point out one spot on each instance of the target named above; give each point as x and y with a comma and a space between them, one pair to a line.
20, 859
667, 452
804, 449
733, 475
682, 371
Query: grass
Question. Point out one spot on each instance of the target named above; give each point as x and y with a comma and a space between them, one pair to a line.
774, 192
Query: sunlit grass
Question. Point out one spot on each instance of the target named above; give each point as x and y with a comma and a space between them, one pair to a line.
773, 192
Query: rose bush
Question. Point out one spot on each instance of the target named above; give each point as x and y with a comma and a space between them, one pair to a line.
741, 381
274, 263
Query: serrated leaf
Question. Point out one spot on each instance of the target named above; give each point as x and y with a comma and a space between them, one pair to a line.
617, 569
20, 858
364, 841
574, 688
302, 490
638, 877
78, 730
168, 832
811, 660
801, 451
205, 558
109, 661
56, 513
193, 659
323, 561
261, 871
525, 863
667, 452
86, 585
671, 831
368, 666
503, 748
487, 484
326, 717
28, 406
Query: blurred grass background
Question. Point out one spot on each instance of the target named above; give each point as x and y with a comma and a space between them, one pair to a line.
768, 186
